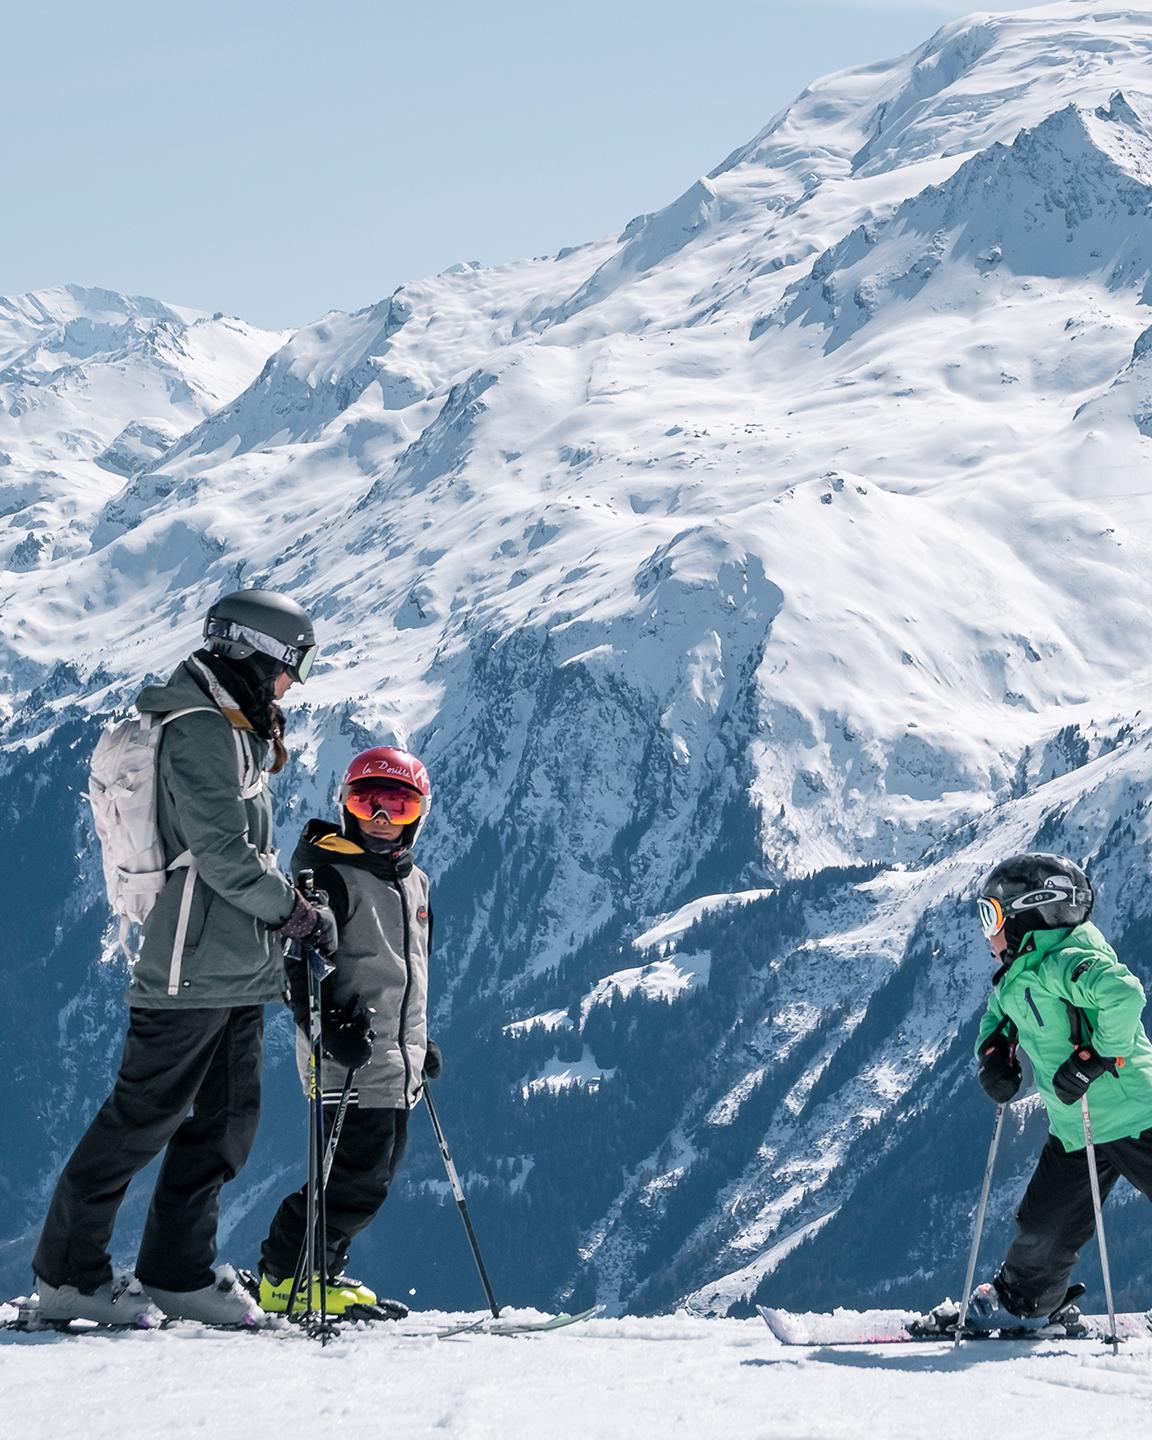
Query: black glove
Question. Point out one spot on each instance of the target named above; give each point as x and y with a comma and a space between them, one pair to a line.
433, 1061
314, 924
999, 1072
347, 1034
324, 935
1078, 1072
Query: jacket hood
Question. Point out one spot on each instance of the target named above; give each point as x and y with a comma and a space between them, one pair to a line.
324, 843
182, 689
190, 685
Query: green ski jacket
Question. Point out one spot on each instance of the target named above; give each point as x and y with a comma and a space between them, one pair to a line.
209, 941
1057, 973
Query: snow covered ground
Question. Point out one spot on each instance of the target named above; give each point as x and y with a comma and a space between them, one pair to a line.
633, 1379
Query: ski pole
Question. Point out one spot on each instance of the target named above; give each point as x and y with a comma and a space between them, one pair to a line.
329, 1158
305, 1265
978, 1229
461, 1202
338, 1125
314, 1259
1090, 1150
316, 977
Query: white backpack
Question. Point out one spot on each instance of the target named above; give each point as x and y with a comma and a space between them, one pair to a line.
122, 793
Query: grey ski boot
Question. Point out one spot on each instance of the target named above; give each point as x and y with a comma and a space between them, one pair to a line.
224, 1302
121, 1301
987, 1313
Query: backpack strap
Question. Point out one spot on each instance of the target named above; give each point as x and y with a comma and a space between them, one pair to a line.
188, 864
245, 763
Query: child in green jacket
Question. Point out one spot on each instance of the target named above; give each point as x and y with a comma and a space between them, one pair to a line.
1061, 995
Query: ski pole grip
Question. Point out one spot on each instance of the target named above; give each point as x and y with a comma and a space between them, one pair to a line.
306, 880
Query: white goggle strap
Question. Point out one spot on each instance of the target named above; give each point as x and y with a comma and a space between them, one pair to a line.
298, 659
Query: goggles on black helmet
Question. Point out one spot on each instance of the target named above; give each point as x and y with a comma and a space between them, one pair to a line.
296, 659
993, 914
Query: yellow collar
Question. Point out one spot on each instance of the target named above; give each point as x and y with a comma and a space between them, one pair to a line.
339, 844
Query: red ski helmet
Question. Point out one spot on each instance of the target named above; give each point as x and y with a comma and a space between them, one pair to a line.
384, 766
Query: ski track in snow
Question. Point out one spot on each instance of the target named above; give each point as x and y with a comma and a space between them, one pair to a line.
671, 1377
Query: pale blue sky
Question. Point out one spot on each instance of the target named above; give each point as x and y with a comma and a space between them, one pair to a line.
276, 159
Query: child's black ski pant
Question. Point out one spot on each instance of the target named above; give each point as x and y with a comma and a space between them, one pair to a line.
1055, 1219
371, 1147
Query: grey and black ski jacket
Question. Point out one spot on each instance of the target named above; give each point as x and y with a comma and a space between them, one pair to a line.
209, 940
385, 923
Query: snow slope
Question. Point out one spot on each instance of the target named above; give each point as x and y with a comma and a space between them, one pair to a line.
94, 387
675, 1376
803, 525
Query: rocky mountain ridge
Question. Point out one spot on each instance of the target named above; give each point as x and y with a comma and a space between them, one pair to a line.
792, 541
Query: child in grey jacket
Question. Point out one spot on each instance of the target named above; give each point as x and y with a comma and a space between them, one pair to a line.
375, 1005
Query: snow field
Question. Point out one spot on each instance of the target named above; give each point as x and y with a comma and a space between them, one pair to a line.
669, 1377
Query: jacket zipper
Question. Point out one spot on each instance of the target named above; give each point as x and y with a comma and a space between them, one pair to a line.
407, 994
1032, 1006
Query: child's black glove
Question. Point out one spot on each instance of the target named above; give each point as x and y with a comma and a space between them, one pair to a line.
999, 1072
347, 1034
1078, 1072
433, 1061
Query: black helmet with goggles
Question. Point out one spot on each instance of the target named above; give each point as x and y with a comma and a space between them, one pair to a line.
1034, 891
262, 622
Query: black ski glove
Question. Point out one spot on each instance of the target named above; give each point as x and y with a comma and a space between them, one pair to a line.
433, 1061
325, 936
1078, 1072
347, 1034
999, 1072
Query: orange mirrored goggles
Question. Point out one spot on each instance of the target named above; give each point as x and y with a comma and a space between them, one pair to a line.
991, 914
377, 801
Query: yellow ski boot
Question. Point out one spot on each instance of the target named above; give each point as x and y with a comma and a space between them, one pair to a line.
344, 1299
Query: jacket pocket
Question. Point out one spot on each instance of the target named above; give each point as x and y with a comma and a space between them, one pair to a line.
202, 905
1032, 1006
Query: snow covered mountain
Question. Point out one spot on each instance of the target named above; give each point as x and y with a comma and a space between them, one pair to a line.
789, 548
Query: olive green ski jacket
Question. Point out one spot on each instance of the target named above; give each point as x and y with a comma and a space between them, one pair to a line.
209, 941
1069, 978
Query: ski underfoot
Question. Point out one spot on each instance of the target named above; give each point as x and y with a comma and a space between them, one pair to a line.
20, 1316
489, 1325
900, 1327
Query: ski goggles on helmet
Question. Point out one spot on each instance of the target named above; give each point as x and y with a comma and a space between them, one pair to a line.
1057, 889
991, 914
376, 799
296, 659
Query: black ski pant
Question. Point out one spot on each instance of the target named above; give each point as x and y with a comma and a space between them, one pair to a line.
189, 1080
1056, 1219
367, 1157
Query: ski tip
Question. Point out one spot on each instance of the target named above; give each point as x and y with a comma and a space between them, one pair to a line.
782, 1325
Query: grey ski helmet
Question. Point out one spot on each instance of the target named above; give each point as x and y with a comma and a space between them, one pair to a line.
1034, 891
262, 622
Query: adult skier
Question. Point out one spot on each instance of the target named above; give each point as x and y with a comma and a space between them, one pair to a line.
212, 957
374, 1012
1062, 996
